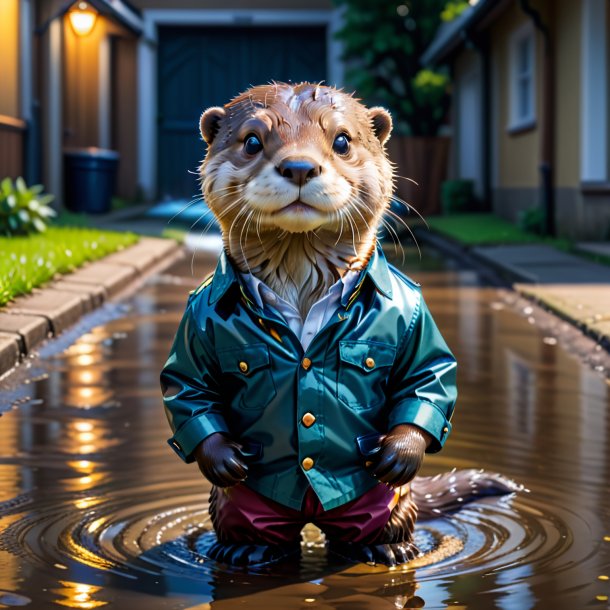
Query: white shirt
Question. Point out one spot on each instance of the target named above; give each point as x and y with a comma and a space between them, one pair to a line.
319, 314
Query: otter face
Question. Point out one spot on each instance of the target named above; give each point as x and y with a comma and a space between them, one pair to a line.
296, 158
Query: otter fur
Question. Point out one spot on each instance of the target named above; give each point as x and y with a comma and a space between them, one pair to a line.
298, 178
297, 234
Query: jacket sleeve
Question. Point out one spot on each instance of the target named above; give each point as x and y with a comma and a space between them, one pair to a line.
422, 389
191, 395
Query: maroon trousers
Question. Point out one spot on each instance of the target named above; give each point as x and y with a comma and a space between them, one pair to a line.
243, 516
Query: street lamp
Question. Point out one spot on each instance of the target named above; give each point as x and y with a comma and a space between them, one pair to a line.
82, 18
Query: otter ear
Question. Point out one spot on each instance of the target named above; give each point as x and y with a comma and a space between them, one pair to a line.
210, 123
382, 123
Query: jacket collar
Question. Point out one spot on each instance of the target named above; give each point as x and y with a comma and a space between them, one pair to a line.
377, 270
224, 277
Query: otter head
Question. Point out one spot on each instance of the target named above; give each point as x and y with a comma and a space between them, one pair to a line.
295, 169
297, 158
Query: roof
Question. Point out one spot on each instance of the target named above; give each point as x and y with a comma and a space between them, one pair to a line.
119, 10
122, 11
452, 34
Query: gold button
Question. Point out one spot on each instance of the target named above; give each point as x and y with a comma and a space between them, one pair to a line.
306, 363
243, 367
370, 363
445, 429
309, 419
307, 463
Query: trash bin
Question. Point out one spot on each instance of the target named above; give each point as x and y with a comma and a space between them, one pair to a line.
89, 179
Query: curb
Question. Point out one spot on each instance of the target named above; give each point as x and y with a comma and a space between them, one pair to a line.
30, 320
559, 300
490, 273
562, 301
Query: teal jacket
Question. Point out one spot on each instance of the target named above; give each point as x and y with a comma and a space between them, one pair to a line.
238, 369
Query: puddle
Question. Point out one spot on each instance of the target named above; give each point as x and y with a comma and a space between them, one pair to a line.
96, 510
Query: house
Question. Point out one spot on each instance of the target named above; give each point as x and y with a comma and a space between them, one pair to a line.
530, 108
138, 80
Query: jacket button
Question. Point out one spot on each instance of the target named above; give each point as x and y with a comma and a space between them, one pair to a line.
369, 362
307, 463
306, 363
309, 419
445, 430
243, 367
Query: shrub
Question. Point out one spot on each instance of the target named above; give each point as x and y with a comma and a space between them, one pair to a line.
532, 220
23, 210
457, 196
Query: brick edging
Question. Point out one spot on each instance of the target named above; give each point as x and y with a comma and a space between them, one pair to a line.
29, 320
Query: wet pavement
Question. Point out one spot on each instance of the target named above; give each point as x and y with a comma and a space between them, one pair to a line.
96, 510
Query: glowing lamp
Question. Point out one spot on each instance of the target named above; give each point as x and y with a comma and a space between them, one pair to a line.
82, 18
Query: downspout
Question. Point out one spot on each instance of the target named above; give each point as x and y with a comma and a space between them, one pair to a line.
548, 118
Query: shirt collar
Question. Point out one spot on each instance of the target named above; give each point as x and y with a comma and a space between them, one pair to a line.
342, 288
377, 270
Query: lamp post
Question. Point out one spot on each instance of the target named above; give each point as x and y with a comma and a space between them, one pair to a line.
82, 18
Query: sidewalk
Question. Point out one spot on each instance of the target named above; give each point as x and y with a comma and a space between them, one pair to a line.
29, 320
570, 286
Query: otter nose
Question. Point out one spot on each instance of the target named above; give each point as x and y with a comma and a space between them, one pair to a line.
298, 170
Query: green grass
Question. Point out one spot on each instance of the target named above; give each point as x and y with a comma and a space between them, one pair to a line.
486, 230
178, 235
472, 230
28, 262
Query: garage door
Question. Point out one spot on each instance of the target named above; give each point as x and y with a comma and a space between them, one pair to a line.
202, 67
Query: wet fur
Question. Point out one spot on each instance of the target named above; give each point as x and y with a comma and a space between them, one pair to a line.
298, 255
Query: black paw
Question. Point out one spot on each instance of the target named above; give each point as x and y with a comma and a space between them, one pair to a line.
249, 554
392, 554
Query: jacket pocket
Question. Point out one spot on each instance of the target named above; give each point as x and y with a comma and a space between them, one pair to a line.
247, 379
363, 371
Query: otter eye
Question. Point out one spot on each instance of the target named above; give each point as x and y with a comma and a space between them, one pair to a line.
341, 144
252, 144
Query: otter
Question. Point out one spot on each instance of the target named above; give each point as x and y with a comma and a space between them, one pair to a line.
307, 378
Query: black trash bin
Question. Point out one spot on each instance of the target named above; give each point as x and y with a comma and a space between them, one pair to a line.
89, 179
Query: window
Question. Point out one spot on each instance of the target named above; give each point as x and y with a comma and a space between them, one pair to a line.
522, 81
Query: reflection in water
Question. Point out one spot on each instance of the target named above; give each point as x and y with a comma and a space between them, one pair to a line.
96, 511
78, 595
517, 593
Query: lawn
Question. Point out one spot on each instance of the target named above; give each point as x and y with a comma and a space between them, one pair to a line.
480, 229
487, 230
28, 262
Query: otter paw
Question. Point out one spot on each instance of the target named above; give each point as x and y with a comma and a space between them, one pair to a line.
249, 554
391, 554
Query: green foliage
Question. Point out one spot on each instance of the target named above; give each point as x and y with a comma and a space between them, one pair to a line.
30, 261
23, 210
430, 90
453, 9
383, 42
457, 196
532, 220
178, 235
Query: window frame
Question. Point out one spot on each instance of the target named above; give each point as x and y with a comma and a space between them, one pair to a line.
518, 122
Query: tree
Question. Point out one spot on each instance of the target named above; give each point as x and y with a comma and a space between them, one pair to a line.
383, 41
